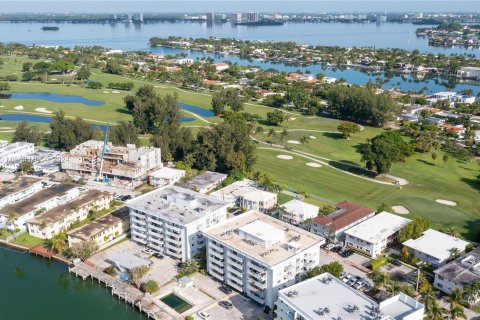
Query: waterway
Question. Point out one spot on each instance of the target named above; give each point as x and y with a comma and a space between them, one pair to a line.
53, 97
41, 289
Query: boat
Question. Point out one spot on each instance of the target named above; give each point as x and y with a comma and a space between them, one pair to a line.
50, 28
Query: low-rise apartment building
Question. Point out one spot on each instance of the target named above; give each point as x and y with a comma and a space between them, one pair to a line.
234, 191
326, 297
165, 176
102, 230
204, 182
19, 189
169, 220
296, 211
347, 215
14, 152
458, 273
130, 163
259, 255
60, 218
43, 200
374, 235
434, 247
258, 200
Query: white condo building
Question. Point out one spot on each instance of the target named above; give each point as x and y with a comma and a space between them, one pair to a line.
169, 219
374, 235
326, 297
260, 255
15, 151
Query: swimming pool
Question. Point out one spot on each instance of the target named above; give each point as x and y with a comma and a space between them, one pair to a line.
176, 303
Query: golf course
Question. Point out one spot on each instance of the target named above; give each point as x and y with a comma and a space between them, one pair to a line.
335, 178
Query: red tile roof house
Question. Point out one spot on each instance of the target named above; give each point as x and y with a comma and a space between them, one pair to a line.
347, 215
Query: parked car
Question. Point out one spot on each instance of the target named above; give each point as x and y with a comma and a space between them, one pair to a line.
158, 255
148, 251
346, 278
227, 305
203, 315
225, 289
126, 197
336, 249
358, 284
396, 263
352, 281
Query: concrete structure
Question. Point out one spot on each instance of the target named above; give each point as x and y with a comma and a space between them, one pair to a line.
260, 255
37, 203
234, 191
165, 176
102, 230
469, 72
326, 297
252, 16
126, 261
60, 218
128, 162
258, 200
458, 273
205, 182
14, 152
347, 215
210, 16
169, 220
374, 235
19, 189
434, 247
296, 211
237, 17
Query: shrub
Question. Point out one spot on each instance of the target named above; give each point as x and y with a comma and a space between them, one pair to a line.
377, 263
94, 85
110, 271
150, 286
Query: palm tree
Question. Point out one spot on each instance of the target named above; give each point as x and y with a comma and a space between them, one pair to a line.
452, 231
471, 292
304, 140
380, 279
457, 311
11, 216
271, 132
58, 242
281, 212
394, 288
307, 223
445, 158
283, 135
434, 156
454, 253
436, 311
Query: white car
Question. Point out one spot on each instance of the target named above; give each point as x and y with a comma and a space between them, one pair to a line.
203, 315
148, 251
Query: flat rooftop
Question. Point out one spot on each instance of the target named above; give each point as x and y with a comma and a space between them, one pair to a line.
60, 212
326, 297
99, 225
29, 204
436, 244
235, 190
127, 260
176, 204
203, 180
463, 270
249, 232
378, 227
21, 184
166, 173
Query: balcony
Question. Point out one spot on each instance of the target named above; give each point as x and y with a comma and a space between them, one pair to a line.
138, 216
236, 273
172, 233
258, 285
256, 268
216, 254
217, 269
257, 276
235, 256
236, 263
158, 230
173, 228
216, 274
235, 285
309, 263
215, 246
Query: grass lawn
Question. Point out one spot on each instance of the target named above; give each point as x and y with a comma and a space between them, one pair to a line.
27, 240
283, 198
419, 196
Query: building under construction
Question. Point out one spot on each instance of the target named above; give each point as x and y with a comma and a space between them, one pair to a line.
98, 160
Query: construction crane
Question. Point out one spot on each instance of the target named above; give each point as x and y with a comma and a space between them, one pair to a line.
100, 171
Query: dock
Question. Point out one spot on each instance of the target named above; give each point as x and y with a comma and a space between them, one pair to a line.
124, 291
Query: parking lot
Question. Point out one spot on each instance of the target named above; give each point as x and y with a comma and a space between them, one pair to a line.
242, 309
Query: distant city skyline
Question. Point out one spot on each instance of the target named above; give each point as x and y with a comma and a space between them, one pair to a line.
197, 6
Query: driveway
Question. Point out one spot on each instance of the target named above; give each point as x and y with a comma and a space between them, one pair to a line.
243, 309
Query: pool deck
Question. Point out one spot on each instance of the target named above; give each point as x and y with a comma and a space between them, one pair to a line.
146, 303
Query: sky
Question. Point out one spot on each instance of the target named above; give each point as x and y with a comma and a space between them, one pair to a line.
195, 6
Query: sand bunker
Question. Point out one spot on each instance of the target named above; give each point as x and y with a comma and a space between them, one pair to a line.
18, 108
291, 119
313, 164
293, 141
284, 157
400, 210
313, 137
43, 110
2, 106
446, 202
106, 92
115, 91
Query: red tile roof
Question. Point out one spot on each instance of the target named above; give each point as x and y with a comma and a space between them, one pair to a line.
346, 214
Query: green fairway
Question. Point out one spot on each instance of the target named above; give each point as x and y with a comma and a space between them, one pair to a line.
427, 184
